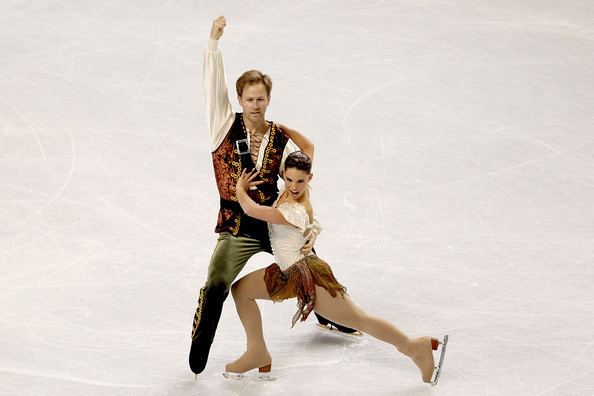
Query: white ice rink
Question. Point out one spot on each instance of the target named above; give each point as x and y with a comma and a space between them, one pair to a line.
454, 178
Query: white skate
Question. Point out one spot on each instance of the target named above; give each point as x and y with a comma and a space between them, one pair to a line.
263, 374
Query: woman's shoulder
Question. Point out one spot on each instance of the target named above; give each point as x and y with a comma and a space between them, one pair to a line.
293, 206
295, 212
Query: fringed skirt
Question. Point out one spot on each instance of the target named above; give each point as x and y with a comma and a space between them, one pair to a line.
299, 280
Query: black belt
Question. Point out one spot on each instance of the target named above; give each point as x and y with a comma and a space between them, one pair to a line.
232, 205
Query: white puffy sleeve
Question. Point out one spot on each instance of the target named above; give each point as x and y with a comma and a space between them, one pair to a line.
295, 214
219, 115
315, 226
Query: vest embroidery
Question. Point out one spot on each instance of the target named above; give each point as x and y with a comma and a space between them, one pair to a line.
228, 165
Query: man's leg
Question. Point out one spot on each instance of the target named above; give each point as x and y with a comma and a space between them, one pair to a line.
228, 259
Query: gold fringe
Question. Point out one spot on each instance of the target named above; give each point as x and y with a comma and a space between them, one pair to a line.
299, 280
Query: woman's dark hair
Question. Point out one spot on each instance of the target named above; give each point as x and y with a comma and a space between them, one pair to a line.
299, 160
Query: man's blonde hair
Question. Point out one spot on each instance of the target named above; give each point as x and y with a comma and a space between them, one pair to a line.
252, 77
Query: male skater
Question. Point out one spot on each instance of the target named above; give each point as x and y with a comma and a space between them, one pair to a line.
238, 141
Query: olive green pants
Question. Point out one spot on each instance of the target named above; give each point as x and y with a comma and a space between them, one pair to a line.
229, 257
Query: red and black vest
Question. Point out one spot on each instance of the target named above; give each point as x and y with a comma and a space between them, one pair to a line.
228, 164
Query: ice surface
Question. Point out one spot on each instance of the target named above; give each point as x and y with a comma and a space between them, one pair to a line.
454, 178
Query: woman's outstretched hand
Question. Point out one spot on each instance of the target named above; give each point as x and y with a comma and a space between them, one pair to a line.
246, 180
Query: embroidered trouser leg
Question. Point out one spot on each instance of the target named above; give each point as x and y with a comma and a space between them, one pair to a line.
229, 257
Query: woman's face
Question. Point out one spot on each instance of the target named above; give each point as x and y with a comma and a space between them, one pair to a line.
296, 182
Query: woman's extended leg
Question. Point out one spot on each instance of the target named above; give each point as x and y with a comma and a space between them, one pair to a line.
341, 309
245, 291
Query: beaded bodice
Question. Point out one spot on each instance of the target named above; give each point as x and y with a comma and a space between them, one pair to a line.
287, 239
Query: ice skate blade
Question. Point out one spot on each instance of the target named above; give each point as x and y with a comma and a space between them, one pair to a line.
437, 371
249, 377
331, 329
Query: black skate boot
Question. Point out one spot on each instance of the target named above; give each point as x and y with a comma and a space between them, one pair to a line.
326, 324
206, 319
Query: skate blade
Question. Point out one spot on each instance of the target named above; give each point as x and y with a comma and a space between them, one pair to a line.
334, 330
249, 377
439, 367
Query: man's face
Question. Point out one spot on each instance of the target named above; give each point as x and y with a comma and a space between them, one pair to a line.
254, 102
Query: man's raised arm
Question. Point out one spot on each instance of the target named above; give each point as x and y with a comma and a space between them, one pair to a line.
219, 114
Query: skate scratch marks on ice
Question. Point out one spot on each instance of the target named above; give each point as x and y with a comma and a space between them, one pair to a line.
75, 379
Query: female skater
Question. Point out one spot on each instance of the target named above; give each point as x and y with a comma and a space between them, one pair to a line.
308, 278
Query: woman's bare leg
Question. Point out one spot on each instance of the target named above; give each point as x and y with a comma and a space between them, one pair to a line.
342, 310
245, 292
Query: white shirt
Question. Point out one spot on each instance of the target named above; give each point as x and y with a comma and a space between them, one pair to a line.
220, 115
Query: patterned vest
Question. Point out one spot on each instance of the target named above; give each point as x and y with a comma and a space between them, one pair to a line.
228, 164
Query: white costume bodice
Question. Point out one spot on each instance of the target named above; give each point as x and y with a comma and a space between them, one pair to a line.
287, 239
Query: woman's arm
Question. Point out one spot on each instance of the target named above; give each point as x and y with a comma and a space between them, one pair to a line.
252, 209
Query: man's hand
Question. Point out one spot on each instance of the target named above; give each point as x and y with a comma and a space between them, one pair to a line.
310, 240
218, 26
